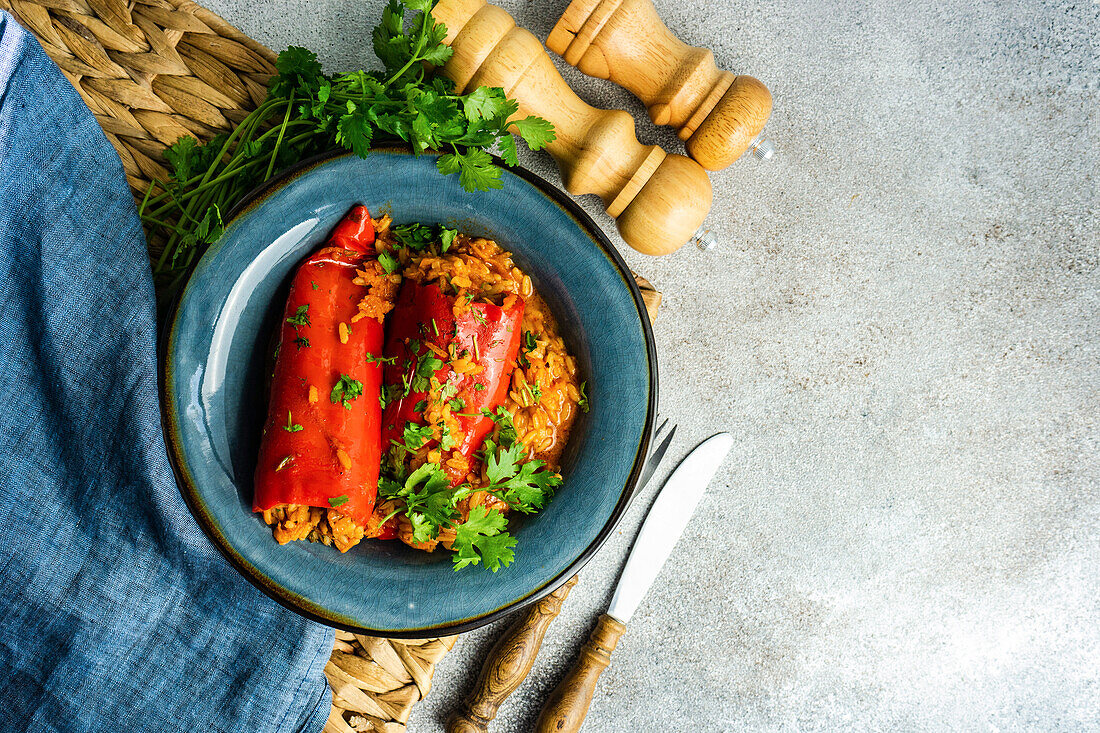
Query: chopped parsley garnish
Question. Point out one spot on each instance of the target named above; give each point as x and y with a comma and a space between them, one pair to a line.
426, 367
446, 239
447, 391
388, 394
420, 406
457, 404
478, 386
478, 316
535, 391
447, 440
346, 389
301, 342
429, 500
338, 500
529, 341
315, 286
414, 236
416, 435
583, 401
290, 427
506, 429
372, 359
301, 318
389, 262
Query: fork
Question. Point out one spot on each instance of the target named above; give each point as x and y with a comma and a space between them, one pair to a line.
512, 656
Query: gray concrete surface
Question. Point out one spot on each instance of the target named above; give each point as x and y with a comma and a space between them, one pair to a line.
900, 329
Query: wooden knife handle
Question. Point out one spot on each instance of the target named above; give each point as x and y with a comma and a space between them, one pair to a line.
567, 705
508, 664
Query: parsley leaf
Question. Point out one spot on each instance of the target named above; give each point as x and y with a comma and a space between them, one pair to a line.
416, 435
372, 359
429, 500
583, 402
388, 394
475, 169
389, 262
446, 239
525, 485
338, 500
301, 342
508, 152
181, 156
484, 103
414, 236
482, 539
506, 428
535, 131
426, 367
354, 130
346, 389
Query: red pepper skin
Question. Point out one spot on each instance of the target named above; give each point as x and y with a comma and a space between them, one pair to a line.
355, 231
315, 472
423, 313
388, 531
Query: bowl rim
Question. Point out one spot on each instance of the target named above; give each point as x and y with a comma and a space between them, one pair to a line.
309, 609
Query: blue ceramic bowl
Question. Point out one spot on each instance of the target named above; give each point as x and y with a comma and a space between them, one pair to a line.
215, 359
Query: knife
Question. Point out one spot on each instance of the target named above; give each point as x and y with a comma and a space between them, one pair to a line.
567, 705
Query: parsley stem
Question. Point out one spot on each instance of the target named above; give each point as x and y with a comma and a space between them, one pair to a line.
279, 140
416, 54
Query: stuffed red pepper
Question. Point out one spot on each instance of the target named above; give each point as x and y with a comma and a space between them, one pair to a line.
317, 475
449, 365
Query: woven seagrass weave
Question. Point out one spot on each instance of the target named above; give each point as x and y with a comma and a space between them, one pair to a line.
152, 71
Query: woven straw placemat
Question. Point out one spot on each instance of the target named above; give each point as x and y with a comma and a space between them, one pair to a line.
152, 71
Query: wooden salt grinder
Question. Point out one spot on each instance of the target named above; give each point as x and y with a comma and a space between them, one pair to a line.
658, 200
720, 115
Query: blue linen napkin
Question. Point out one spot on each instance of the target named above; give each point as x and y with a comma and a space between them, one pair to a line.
116, 613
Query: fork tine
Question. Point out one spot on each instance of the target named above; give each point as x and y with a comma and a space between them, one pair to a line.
657, 434
656, 455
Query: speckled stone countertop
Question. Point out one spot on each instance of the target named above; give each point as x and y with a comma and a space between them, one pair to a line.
900, 328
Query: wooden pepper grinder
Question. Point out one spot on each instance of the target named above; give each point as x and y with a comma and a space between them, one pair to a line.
720, 115
658, 200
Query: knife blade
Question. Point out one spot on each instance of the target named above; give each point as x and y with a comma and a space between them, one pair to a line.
666, 520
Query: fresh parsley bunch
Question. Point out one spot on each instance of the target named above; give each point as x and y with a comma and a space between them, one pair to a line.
307, 112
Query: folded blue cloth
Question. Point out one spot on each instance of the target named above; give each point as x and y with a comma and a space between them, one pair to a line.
116, 613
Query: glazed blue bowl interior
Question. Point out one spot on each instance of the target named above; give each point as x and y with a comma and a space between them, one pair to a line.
218, 352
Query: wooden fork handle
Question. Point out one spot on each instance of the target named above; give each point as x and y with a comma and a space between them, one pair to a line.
567, 705
508, 664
